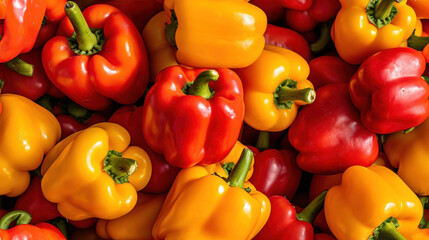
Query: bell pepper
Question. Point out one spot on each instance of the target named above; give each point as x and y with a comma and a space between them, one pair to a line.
94, 173
85, 234
276, 172
408, 153
365, 27
161, 53
285, 223
306, 20
330, 69
323, 236
94, 67
137, 224
32, 87
225, 211
391, 101
163, 174
297, 4
289, 39
329, 134
272, 104
421, 7
28, 132
193, 116
235, 29
387, 203
273, 9
26, 231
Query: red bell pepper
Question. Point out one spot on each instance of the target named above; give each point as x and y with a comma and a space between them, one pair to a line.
289, 39
26, 231
323, 236
47, 31
329, 134
272, 8
306, 20
285, 223
193, 115
275, 171
330, 69
389, 91
32, 87
98, 65
297, 4
163, 174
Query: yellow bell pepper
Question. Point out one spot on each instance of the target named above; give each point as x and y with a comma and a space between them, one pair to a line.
27, 133
161, 53
408, 153
204, 206
274, 87
215, 33
137, 224
94, 173
368, 199
356, 37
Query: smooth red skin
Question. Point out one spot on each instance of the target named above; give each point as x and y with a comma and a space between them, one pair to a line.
31, 232
30, 87
389, 92
276, 173
330, 69
297, 4
425, 27
96, 81
272, 8
329, 134
163, 174
283, 224
307, 20
33, 202
323, 236
289, 39
173, 122
46, 32
70, 125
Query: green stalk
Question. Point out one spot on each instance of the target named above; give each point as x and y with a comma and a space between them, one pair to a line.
21, 67
387, 231
384, 8
263, 142
21, 217
86, 40
1, 84
238, 174
286, 94
118, 167
310, 212
417, 43
200, 86
170, 30
323, 40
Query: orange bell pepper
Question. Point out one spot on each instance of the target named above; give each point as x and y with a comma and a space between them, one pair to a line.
421, 7
135, 225
215, 33
201, 205
365, 27
274, 88
369, 199
94, 173
28, 132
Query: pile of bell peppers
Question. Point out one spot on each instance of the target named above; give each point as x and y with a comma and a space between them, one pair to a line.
214, 119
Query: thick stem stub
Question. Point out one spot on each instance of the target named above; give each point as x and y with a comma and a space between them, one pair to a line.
310, 212
381, 12
287, 92
200, 86
170, 29
119, 168
238, 174
21, 217
263, 142
387, 231
417, 43
21, 67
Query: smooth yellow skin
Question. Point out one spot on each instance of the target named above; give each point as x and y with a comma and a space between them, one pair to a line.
203, 206
73, 174
367, 197
137, 224
409, 153
27, 132
218, 33
356, 38
262, 78
161, 54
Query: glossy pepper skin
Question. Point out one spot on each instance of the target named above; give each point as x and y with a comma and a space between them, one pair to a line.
236, 29
118, 72
407, 153
137, 224
28, 132
277, 69
329, 134
356, 38
83, 169
391, 101
222, 212
26, 231
297, 4
350, 216
421, 7
191, 129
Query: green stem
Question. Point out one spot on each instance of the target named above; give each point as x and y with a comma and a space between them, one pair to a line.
416, 42
200, 86
45, 102
21, 217
238, 174
170, 30
426, 78
310, 212
286, 94
119, 168
20, 67
61, 224
76, 111
384, 8
1, 84
424, 200
323, 40
387, 231
85, 38
263, 142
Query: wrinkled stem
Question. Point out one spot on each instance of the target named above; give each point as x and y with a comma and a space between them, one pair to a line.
21, 67
85, 38
200, 86
384, 8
